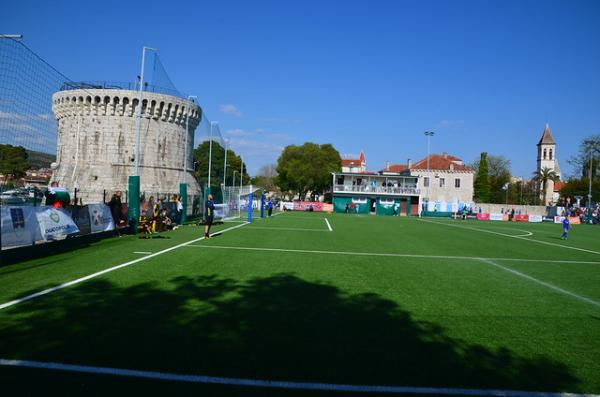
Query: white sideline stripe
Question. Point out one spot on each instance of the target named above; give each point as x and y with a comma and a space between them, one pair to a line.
142, 252
110, 269
281, 384
328, 225
517, 236
286, 228
545, 284
473, 258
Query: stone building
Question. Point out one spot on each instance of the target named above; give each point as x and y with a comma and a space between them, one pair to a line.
96, 141
442, 178
546, 158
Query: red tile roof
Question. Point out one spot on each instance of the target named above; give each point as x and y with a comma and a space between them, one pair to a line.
559, 185
442, 162
396, 168
351, 163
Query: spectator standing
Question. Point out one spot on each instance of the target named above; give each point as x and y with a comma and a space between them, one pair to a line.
209, 216
116, 209
270, 207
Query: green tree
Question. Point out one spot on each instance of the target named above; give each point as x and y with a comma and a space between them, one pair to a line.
201, 156
498, 176
543, 176
13, 161
482, 182
307, 168
581, 160
266, 177
580, 187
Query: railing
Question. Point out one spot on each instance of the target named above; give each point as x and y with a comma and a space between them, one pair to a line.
410, 190
109, 85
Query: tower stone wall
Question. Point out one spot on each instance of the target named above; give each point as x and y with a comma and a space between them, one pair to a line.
96, 141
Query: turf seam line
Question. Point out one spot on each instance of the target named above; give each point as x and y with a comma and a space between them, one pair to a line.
328, 225
543, 283
518, 237
142, 252
262, 383
286, 228
101, 272
392, 255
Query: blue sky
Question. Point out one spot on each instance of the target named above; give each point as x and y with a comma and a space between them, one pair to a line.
484, 75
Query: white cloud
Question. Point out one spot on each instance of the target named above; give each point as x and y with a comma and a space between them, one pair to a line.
231, 109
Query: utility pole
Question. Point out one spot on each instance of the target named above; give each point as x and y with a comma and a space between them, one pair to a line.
428, 134
187, 133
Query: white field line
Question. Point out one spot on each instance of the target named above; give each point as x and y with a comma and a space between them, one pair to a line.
287, 228
110, 269
392, 255
328, 225
142, 252
244, 382
543, 283
513, 236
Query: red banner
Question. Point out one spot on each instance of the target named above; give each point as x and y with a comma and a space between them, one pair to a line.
521, 218
315, 205
485, 216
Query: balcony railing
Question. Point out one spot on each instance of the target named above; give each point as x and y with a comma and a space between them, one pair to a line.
409, 190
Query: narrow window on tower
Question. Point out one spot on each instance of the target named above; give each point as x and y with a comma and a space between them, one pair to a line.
544, 154
550, 154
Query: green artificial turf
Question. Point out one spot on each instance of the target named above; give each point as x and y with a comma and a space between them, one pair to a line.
376, 301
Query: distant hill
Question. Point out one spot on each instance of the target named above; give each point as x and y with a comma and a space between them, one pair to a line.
40, 160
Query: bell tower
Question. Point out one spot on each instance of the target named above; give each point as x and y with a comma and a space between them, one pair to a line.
546, 158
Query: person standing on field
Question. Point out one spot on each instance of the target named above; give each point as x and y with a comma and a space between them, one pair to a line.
209, 216
270, 207
566, 225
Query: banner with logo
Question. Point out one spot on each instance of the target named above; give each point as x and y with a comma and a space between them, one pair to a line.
19, 226
521, 218
573, 220
536, 218
101, 219
55, 223
483, 216
498, 217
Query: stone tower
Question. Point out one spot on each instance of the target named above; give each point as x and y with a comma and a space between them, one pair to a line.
546, 158
96, 141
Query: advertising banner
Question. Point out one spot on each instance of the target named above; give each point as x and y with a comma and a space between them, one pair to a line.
535, 218
81, 217
521, 218
316, 206
499, 217
19, 226
573, 220
484, 216
101, 219
55, 223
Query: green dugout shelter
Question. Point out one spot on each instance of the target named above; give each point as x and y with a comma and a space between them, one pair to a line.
383, 195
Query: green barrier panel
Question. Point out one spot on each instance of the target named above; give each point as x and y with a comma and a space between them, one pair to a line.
183, 198
437, 214
134, 203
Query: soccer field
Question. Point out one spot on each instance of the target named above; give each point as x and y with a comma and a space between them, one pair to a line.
311, 304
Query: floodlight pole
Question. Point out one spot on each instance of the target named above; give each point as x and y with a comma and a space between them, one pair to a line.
225, 165
233, 182
241, 172
428, 134
187, 133
138, 120
210, 151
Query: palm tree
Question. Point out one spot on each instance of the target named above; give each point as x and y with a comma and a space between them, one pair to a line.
543, 176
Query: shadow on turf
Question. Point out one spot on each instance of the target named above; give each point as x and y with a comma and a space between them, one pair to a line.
280, 327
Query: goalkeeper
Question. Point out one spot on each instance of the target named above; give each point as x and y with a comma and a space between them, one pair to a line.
209, 215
